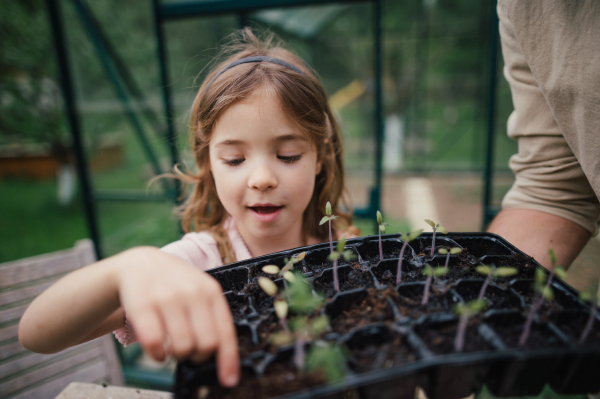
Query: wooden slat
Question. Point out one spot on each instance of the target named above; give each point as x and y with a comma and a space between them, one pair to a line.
50, 389
12, 314
28, 292
11, 349
31, 359
46, 265
109, 351
78, 390
51, 370
9, 331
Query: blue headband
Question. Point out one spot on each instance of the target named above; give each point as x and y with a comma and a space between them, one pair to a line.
258, 58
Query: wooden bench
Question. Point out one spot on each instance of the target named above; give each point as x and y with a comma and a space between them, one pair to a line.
28, 375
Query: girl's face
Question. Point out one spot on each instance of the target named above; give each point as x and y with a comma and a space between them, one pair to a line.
264, 168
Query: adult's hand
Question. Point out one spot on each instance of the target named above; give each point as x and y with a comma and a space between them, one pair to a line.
534, 232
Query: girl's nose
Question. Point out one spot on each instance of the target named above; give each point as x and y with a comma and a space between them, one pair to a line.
262, 177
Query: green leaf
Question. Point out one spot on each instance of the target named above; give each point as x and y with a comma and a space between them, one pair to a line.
442, 230
382, 228
506, 272
330, 358
280, 338
289, 276
455, 251
443, 251
281, 308
299, 257
379, 217
414, 234
485, 270
341, 244
319, 325
477, 305
324, 220
430, 222
268, 286
333, 256
540, 276
560, 272
348, 255
427, 270
328, 208
552, 256
270, 269
585, 296
547, 293
302, 298
440, 271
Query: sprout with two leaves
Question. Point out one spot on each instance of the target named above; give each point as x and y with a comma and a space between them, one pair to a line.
466, 311
452, 251
406, 237
335, 255
591, 296
430, 272
436, 228
492, 272
279, 303
285, 271
303, 328
544, 292
380, 230
328, 218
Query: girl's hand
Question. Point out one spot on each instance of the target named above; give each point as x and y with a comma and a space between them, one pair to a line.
164, 296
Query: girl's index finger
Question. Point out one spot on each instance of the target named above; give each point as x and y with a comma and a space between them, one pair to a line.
228, 361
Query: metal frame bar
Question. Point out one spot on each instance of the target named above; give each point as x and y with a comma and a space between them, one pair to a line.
100, 43
490, 212
72, 116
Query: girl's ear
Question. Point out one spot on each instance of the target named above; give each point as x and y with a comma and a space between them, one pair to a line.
319, 166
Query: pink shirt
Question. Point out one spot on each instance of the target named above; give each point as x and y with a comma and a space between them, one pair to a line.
199, 249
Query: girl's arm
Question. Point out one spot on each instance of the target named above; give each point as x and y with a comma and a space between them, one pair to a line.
163, 296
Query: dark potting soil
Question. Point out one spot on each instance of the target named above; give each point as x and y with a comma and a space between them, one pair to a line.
350, 278
540, 337
387, 277
440, 337
371, 309
497, 298
410, 298
279, 379
572, 325
381, 355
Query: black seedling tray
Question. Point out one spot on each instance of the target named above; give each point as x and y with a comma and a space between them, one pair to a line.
426, 354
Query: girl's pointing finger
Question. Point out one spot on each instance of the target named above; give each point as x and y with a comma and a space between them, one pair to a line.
228, 362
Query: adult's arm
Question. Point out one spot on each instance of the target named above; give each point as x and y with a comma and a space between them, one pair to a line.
551, 203
534, 232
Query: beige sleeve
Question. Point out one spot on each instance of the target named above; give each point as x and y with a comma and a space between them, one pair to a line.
548, 177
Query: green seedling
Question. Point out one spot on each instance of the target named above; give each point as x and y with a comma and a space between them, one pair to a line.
453, 251
327, 357
381, 230
279, 304
466, 311
406, 237
304, 302
544, 292
285, 271
328, 218
436, 228
492, 272
335, 255
430, 272
591, 296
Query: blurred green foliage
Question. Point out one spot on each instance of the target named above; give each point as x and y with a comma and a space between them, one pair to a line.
435, 64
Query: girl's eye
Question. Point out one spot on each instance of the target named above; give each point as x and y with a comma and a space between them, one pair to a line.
290, 159
233, 162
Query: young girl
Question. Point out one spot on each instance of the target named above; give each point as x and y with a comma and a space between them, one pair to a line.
269, 157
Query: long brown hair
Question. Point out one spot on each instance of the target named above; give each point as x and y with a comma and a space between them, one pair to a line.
303, 99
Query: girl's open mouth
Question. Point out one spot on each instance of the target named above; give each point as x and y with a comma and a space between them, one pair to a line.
266, 213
